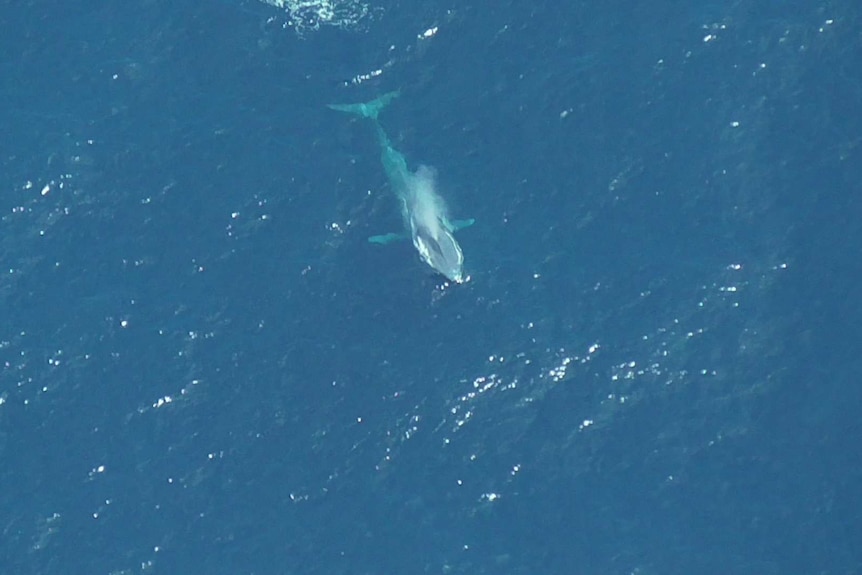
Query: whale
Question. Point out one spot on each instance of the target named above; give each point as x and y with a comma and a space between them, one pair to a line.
423, 211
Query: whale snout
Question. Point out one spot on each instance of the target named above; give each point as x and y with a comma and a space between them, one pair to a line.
441, 251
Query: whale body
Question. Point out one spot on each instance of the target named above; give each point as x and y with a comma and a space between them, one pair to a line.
422, 209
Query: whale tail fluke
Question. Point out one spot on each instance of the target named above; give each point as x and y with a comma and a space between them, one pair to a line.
367, 109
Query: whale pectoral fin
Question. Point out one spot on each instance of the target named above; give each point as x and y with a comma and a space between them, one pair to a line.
452, 226
388, 238
456, 225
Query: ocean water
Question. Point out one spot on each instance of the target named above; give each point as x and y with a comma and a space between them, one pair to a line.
205, 368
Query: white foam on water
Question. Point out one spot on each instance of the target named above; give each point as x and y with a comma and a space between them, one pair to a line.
310, 15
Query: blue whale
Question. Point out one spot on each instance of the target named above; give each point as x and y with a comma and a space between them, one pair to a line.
422, 209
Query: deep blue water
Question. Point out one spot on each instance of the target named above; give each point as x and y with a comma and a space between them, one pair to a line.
205, 368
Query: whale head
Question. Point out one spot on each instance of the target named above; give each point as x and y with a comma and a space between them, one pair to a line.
438, 248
